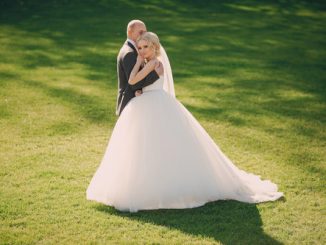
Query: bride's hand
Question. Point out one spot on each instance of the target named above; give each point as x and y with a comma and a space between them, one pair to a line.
140, 59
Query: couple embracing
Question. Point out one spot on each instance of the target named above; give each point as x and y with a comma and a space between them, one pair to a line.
159, 156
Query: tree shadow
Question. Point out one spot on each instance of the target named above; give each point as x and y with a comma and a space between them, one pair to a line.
234, 41
220, 39
90, 107
232, 48
219, 44
229, 222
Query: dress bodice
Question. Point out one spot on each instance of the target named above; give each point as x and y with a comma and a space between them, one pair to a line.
157, 85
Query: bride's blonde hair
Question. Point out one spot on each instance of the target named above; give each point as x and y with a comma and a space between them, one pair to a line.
152, 40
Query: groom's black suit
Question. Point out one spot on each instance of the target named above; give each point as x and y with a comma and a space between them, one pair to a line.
126, 60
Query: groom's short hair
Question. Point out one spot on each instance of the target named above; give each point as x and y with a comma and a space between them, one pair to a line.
132, 24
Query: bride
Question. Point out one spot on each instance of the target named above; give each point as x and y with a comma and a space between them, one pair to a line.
159, 156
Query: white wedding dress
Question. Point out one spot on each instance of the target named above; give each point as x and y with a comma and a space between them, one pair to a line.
159, 156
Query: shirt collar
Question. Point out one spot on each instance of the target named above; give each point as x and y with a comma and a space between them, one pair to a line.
132, 42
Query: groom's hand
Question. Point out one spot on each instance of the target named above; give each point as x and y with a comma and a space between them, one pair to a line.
138, 92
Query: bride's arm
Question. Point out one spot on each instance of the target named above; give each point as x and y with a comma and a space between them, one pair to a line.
136, 75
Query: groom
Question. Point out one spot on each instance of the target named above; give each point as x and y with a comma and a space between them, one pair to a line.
125, 62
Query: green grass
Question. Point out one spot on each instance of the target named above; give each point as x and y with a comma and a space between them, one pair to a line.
252, 73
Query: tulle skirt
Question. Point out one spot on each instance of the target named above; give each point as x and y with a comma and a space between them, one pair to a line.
159, 156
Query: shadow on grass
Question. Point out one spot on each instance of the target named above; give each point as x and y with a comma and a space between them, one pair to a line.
270, 55
220, 39
269, 35
229, 222
91, 108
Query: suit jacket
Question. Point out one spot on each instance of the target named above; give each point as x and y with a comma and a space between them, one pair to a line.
125, 63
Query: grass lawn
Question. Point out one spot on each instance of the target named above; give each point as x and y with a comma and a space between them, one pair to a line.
251, 72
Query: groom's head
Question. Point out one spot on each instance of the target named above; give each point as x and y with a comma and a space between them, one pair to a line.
135, 28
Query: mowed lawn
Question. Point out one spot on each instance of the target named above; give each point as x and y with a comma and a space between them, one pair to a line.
251, 72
